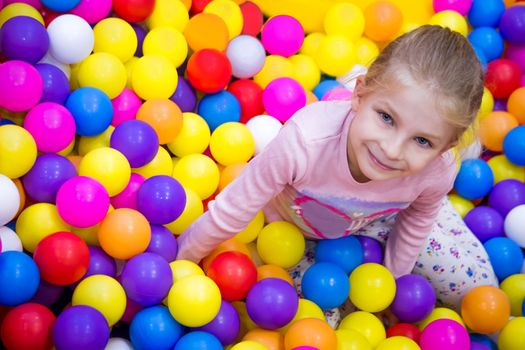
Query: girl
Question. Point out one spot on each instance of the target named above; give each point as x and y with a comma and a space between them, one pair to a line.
378, 165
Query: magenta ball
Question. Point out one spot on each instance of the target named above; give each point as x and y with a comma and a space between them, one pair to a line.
460, 6
305, 348
34, 3
125, 106
282, 35
21, 86
82, 201
516, 53
52, 126
128, 197
283, 97
444, 334
92, 10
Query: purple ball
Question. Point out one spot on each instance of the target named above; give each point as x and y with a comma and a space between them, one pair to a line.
24, 38
147, 279
100, 263
47, 294
225, 326
478, 346
140, 32
56, 83
512, 25
485, 222
272, 303
80, 327
161, 199
184, 96
506, 195
137, 141
414, 300
47, 175
372, 249
500, 104
163, 243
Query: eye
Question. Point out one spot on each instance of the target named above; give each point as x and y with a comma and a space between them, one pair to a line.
387, 118
423, 141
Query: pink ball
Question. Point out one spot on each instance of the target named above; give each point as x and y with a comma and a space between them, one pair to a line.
92, 10
444, 334
82, 201
128, 197
21, 86
35, 3
283, 97
125, 107
52, 126
460, 6
305, 348
337, 94
516, 54
282, 35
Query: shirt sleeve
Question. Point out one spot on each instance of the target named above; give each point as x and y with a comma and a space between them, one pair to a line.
282, 162
414, 224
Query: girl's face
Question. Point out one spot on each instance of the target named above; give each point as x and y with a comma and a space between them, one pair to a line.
395, 133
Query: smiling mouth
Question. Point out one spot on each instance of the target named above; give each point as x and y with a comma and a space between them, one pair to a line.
378, 163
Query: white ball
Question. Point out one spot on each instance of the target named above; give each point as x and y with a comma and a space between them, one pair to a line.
118, 344
71, 38
9, 200
10, 240
263, 128
514, 225
246, 55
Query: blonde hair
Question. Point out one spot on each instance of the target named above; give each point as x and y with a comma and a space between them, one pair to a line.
439, 60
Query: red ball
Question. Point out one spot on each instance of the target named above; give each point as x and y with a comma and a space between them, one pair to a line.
253, 18
28, 326
62, 258
234, 273
404, 329
133, 10
209, 70
197, 6
503, 76
249, 94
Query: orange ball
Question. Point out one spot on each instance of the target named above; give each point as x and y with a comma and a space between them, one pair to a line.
516, 104
485, 309
124, 233
383, 21
272, 339
494, 127
310, 332
273, 271
230, 245
164, 116
206, 31
75, 160
22, 193
229, 173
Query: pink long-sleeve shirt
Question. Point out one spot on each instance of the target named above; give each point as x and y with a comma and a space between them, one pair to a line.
303, 177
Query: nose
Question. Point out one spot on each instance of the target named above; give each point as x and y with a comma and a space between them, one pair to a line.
392, 148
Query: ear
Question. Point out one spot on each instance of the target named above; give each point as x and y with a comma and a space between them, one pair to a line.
358, 91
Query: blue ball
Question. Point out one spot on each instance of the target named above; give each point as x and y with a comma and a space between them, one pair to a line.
483, 339
325, 86
514, 145
485, 13
481, 57
19, 278
488, 40
92, 110
326, 284
155, 328
474, 180
219, 108
345, 252
198, 341
505, 255
60, 5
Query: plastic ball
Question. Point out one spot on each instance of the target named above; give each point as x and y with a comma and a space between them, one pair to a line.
225, 326
209, 70
71, 38
485, 13
281, 243
168, 13
283, 97
21, 86
489, 40
345, 19
163, 243
505, 255
137, 141
444, 334
513, 225
164, 116
485, 222
273, 340
230, 12
124, 233
345, 252
264, 129
195, 340
127, 198
373, 287
115, 36
511, 25
272, 303
249, 96
460, 6
252, 18
383, 21
306, 71
10, 200
193, 137
184, 96
92, 11
326, 284
398, 342
26, 8
92, 110
133, 10
485, 309
350, 339
154, 327
311, 43
274, 67
312, 332
194, 300
17, 151
405, 330
503, 76
168, 42
219, 108
506, 195
336, 55
19, 277
193, 209
184, 268
9, 240
162, 164
441, 313
154, 77
206, 31
60, 6
24, 38
511, 336
246, 55
372, 250
282, 35
161, 199
125, 107
80, 327
324, 87
503, 169
414, 300
452, 20
514, 288
474, 180
274, 271
516, 104
198, 173
55, 83
104, 71
231, 143
100, 263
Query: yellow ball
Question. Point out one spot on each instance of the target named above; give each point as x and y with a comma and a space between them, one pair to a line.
336, 55
19, 9
439, 313
67, 151
274, 67
281, 243
487, 104
365, 324
249, 345
512, 336
154, 77
103, 293
230, 12
373, 287
105, 72
452, 20
503, 169
306, 309
462, 205
115, 36
306, 71
193, 209
398, 343
246, 322
193, 138
168, 13
88, 234
514, 287
345, 19
184, 268
311, 43
199, 173
87, 144
161, 164
38, 221
194, 300
231, 143
130, 64
250, 233
73, 76
348, 339
109, 167
168, 42
17, 151
366, 51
